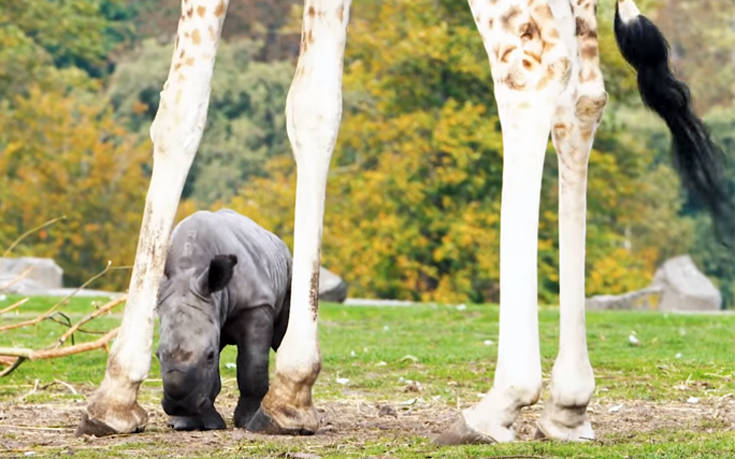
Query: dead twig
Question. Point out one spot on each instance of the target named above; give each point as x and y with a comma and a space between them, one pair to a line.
64, 300
17, 279
30, 354
13, 306
106, 308
31, 231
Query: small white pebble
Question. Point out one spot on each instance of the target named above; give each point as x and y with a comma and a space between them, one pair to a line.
386, 328
352, 353
29, 453
488, 342
615, 408
382, 363
230, 365
461, 307
693, 400
633, 340
342, 381
3, 297
678, 355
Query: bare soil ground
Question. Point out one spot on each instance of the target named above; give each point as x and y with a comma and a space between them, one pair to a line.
41, 428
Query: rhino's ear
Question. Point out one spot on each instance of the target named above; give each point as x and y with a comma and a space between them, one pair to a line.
218, 275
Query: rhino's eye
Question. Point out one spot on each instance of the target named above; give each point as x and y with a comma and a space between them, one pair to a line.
210, 356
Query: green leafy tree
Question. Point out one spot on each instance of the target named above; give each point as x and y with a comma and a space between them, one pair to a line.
245, 124
60, 155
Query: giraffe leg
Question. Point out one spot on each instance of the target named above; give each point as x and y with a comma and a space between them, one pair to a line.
176, 132
530, 69
575, 123
313, 110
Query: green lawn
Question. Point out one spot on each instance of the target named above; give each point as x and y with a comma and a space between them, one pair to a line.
376, 351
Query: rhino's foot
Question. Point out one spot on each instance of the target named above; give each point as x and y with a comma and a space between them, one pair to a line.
245, 412
101, 419
212, 421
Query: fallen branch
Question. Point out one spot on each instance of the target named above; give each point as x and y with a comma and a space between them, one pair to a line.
31, 231
106, 308
30, 354
13, 306
64, 300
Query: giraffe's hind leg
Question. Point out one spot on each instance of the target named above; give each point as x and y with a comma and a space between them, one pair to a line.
531, 68
575, 122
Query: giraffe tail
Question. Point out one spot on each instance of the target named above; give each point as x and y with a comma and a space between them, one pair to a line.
698, 160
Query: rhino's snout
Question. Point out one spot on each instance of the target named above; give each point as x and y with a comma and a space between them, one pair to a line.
177, 384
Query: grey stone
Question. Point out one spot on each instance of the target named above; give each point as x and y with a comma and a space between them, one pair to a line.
44, 274
677, 286
645, 299
684, 287
331, 286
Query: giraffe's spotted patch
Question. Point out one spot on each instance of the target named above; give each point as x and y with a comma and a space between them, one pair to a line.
559, 131
314, 291
220, 10
189, 12
189, 61
529, 30
587, 75
589, 52
584, 30
341, 13
507, 19
312, 11
505, 56
201, 11
196, 37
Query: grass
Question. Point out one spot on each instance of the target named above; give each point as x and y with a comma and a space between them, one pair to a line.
451, 354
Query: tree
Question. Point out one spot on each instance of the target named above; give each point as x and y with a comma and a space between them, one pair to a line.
64, 155
413, 195
246, 121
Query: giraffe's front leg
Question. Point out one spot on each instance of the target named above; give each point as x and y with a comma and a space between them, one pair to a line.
575, 122
313, 110
176, 133
531, 68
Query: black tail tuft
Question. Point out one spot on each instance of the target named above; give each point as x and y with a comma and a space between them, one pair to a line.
698, 160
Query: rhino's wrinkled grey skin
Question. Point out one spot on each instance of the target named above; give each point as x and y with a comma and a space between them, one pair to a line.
226, 281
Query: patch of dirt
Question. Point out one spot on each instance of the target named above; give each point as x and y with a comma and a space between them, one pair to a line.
25, 427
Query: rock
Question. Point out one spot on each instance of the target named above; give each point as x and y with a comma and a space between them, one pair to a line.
44, 274
331, 286
677, 286
647, 298
684, 287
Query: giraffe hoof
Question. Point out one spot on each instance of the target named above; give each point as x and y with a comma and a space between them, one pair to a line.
546, 429
115, 421
459, 433
264, 423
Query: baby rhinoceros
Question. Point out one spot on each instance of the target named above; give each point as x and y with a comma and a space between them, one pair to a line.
227, 281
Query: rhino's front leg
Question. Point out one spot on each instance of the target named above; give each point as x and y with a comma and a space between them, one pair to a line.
253, 348
210, 419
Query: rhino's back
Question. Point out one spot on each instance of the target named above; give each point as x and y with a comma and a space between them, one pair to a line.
262, 275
